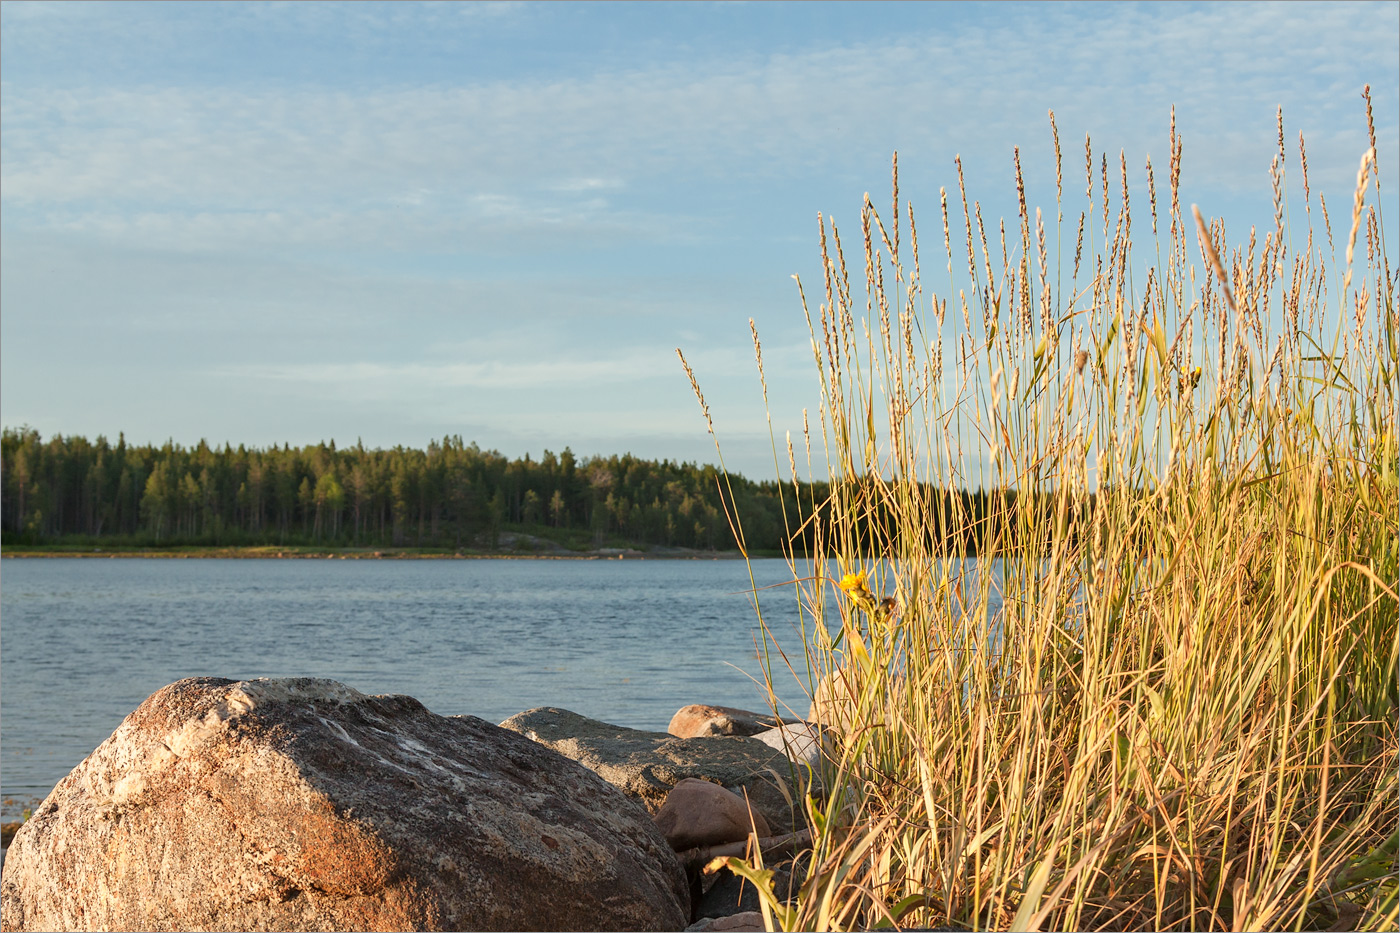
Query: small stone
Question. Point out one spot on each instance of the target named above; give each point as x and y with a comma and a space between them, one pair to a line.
699, 813
803, 743
701, 719
750, 921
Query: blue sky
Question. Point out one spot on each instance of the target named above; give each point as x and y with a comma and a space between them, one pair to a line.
266, 223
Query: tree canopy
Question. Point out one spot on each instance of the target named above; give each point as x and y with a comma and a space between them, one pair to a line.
450, 494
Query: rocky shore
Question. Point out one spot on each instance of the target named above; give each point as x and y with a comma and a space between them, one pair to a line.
301, 804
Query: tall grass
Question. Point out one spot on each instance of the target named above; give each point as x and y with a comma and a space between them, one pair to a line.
1183, 714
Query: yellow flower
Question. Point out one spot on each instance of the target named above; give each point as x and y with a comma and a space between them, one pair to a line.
853, 582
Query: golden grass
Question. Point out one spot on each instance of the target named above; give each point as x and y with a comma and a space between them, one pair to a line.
1183, 716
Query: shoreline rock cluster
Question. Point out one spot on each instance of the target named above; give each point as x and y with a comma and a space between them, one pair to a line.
302, 804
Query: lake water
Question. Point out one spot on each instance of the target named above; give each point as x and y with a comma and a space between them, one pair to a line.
84, 641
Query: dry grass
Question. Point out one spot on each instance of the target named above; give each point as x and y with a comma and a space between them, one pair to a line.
1183, 715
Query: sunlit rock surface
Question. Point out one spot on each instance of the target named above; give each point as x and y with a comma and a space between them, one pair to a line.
701, 813
701, 719
304, 805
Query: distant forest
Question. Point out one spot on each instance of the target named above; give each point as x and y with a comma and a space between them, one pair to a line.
452, 494
68, 490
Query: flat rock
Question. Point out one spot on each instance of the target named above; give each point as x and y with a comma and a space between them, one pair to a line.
750, 921
646, 765
304, 805
700, 719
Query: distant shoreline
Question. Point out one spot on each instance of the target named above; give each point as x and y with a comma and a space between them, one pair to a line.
263, 552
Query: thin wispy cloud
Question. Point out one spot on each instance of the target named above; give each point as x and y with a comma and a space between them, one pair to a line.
492, 374
715, 117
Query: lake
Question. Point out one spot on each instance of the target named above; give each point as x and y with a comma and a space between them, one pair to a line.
84, 641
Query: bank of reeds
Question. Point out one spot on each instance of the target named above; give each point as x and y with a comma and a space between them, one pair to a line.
1181, 712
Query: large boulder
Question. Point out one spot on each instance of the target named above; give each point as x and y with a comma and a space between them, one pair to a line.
304, 805
646, 765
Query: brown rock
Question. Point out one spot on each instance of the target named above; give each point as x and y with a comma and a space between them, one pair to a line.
646, 765
700, 719
304, 805
699, 813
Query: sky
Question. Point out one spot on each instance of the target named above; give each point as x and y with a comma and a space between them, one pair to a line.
268, 223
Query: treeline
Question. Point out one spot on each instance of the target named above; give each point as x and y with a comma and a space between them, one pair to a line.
452, 494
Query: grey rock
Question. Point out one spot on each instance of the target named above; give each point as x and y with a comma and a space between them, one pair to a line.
646, 765
304, 805
747, 922
729, 894
803, 743
834, 702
